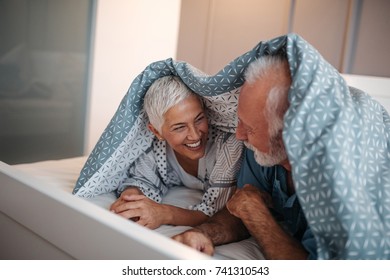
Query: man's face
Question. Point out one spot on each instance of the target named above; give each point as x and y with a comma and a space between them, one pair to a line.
260, 133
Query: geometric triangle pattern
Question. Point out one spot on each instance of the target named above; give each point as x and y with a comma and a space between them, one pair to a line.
337, 139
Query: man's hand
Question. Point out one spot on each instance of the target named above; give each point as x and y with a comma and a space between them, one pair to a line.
197, 240
252, 206
248, 200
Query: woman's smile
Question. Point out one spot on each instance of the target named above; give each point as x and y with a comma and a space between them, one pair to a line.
194, 145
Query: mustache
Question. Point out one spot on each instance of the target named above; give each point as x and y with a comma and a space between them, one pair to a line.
249, 146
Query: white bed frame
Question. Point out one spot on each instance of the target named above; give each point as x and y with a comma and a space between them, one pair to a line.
39, 222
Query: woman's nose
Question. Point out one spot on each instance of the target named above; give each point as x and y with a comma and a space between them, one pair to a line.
194, 133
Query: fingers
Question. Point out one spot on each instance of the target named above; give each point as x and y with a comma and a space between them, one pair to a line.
133, 197
178, 238
128, 205
264, 196
116, 204
196, 240
247, 191
125, 197
132, 214
113, 206
131, 190
207, 248
244, 189
249, 197
129, 208
249, 187
137, 216
127, 202
139, 209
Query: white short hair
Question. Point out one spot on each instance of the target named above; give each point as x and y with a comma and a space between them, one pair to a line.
262, 66
162, 95
277, 100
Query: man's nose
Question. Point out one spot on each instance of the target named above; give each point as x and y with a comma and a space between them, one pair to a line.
240, 133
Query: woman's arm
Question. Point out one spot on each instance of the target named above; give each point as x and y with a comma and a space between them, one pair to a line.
151, 214
172, 215
143, 174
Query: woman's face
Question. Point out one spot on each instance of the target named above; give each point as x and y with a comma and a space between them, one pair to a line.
185, 128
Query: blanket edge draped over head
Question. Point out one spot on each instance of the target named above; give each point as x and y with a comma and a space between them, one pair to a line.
337, 140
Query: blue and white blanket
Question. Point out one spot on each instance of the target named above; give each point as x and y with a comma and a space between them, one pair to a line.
337, 139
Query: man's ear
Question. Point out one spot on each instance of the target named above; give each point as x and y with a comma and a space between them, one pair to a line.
155, 131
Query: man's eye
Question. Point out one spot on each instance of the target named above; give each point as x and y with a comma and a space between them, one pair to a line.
198, 120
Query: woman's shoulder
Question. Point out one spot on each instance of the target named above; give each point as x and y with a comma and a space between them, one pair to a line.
225, 142
218, 135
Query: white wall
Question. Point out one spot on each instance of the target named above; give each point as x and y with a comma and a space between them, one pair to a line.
377, 87
349, 34
129, 35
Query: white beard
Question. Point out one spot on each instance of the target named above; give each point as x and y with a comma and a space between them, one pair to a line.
276, 156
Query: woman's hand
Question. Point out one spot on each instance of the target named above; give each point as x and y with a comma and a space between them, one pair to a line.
121, 200
140, 209
135, 206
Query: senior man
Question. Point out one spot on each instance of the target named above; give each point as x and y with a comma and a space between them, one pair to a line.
266, 206
308, 185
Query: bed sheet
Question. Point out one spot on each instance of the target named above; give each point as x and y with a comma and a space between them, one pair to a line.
63, 173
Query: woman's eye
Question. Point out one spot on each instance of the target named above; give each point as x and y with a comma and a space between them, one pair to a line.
178, 128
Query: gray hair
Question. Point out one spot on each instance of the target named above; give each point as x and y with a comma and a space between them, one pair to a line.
261, 67
277, 100
275, 107
162, 95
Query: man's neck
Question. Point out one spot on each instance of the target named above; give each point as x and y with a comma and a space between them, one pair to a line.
290, 183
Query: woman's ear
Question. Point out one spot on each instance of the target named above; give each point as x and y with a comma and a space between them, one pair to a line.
155, 132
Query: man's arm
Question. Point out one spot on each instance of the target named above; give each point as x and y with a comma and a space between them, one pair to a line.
223, 228
251, 206
219, 229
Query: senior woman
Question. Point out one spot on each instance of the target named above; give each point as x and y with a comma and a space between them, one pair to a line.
186, 151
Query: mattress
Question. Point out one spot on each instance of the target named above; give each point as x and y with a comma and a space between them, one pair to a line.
62, 174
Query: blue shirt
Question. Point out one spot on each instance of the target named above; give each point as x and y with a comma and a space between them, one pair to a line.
286, 209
